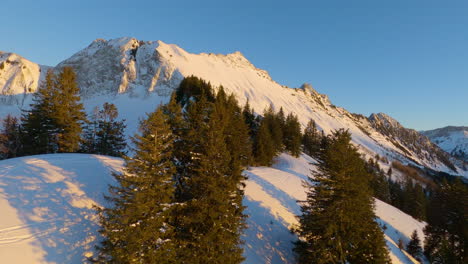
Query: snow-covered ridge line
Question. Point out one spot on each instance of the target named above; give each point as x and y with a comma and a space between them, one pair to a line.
139, 75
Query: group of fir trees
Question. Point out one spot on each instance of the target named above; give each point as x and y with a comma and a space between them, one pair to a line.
407, 195
273, 133
447, 230
104, 134
337, 224
56, 123
179, 198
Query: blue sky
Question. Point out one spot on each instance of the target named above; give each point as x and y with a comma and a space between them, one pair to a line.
408, 59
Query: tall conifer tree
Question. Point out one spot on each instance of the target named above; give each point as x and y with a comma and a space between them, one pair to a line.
137, 227
338, 222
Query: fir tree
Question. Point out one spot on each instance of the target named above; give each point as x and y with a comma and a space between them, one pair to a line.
54, 122
264, 147
110, 138
447, 230
337, 224
311, 139
138, 228
210, 223
68, 114
414, 246
292, 135
10, 141
38, 127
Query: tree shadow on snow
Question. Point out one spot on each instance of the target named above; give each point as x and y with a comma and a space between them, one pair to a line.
56, 204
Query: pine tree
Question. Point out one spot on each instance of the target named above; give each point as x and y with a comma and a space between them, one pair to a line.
414, 246
292, 135
138, 227
10, 141
337, 224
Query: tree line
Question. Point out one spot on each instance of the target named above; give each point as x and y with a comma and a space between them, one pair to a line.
57, 123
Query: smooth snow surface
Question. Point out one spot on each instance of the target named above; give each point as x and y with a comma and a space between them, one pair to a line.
47, 216
46, 206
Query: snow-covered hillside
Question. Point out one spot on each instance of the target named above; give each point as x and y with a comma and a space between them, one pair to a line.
47, 216
138, 75
453, 140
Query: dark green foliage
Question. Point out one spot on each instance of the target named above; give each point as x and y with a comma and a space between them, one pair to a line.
447, 232
193, 88
311, 139
275, 123
250, 119
292, 135
54, 122
10, 140
105, 134
264, 148
38, 127
337, 224
210, 224
137, 227
379, 182
414, 246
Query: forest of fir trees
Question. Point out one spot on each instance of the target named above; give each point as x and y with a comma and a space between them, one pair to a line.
179, 197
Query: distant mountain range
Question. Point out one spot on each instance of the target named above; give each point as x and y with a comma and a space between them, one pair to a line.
452, 139
138, 75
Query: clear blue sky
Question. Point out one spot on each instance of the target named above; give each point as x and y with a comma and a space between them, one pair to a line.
406, 58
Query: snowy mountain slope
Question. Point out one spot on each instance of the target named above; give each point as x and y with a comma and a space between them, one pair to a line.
47, 216
277, 189
18, 76
453, 140
46, 203
139, 75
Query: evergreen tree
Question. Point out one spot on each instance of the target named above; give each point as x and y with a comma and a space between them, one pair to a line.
250, 119
264, 147
311, 139
447, 230
138, 227
68, 115
275, 124
210, 223
337, 224
54, 122
414, 246
38, 127
110, 138
292, 135
10, 141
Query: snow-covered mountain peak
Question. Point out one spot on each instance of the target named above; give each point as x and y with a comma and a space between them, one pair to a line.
19, 75
452, 139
